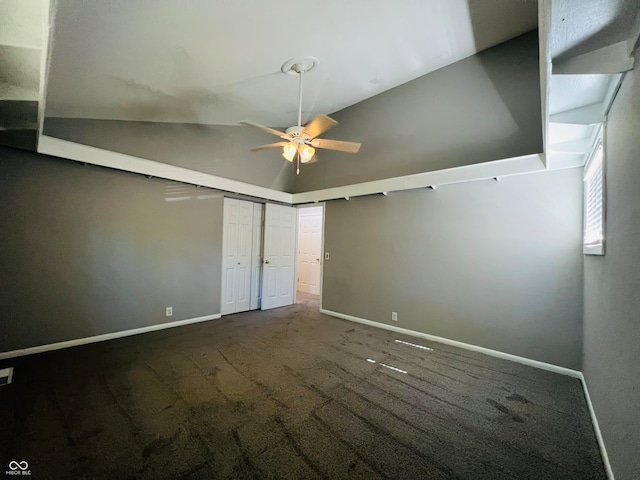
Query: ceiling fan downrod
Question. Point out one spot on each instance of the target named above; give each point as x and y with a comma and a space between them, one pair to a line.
300, 73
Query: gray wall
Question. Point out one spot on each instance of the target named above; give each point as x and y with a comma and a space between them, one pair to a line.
494, 264
215, 149
88, 250
483, 108
612, 291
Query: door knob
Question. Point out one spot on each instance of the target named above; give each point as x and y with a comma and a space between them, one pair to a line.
238, 263
317, 259
266, 261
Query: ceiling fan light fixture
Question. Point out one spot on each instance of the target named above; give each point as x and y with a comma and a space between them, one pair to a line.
307, 153
300, 142
289, 151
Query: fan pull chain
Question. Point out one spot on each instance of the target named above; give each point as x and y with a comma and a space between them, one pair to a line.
298, 169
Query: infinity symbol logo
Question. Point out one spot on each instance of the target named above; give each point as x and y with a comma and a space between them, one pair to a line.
23, 465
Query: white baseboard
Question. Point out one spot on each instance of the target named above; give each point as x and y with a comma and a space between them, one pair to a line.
102, 338
596, 429
507, 356
467, 346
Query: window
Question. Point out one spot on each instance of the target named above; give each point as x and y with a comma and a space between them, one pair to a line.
594, 202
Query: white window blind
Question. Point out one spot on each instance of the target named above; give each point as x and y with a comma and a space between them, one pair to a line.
594, 203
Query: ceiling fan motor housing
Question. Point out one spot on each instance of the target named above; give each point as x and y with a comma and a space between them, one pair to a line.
297, 136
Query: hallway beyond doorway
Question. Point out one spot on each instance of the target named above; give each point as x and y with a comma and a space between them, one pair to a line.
307, 299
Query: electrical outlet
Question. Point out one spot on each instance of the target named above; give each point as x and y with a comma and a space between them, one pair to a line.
169, 311
326, 255
394, 316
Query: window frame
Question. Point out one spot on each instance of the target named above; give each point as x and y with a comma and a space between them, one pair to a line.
598, 248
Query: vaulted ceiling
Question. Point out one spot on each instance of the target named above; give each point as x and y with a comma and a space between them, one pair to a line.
199, 67
218, 63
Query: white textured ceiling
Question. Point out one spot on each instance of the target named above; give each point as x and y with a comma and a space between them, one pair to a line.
579, 26
568, 92
218, 62
21, 23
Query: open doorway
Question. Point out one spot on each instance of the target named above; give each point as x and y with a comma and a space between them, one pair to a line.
309, 258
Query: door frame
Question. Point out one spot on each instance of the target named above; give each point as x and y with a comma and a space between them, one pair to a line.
322, 205
257, 207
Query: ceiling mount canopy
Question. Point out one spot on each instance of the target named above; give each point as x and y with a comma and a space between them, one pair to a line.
297, 65
300, 142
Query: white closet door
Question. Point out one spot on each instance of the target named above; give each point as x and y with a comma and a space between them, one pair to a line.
256, 256
236, 256
245, 244
309, 246
278, 273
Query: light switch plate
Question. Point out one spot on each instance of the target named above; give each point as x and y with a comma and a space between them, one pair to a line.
326, 255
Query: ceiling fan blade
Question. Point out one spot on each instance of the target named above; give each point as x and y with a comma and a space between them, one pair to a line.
271, 145
319, 125
351, 147
265, 129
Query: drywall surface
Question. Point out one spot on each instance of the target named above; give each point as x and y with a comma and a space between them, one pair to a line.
612, 291
494, 264
483, 108
85, 250
218, 150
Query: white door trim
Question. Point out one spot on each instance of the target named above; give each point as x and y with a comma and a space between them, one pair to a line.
256, 259
322, 259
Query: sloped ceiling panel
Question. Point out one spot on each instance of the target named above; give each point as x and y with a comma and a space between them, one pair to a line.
483, 108
218, 62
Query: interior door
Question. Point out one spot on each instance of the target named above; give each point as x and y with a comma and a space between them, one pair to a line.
309, 249
256, 256
278, 269
236, 256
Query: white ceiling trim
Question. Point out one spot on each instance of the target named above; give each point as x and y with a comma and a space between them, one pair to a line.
544, 22
480, 171
97, 156
634, 39
610, 59
44, 63
589, 115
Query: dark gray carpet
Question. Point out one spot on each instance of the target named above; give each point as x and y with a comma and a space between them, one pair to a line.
289, 393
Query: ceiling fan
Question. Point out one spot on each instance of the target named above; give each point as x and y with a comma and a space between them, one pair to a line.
300, 142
